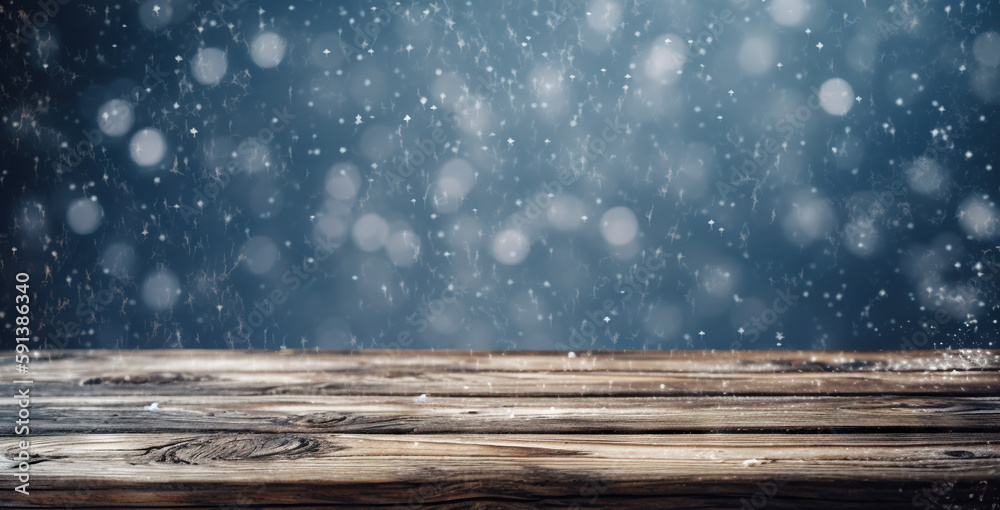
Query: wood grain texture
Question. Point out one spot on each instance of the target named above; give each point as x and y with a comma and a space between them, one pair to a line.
513, 430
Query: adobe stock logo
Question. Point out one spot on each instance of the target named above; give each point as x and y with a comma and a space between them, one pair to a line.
634, 281
595, 147
542, 200
713, 29
425, 149
426, 314
787, 126
363, 38
208, 192
295, 278
760, 499
31, 26
760, 323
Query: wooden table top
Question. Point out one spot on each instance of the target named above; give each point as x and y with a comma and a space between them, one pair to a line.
460, 429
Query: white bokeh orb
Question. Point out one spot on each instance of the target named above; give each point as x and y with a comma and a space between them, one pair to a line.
370, 232
403, 247
664, 59
510, 247
115, 117
789, 13
604, 16
209, 66
979, 218
84, 216
161, 290
986, 49
809, 219
619, 226
454, 181
757, 55
836, 96
343, 181
925, 176
147, 147
861, 237
259, 254
267, 50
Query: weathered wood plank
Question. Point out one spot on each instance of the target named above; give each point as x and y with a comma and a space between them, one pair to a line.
546, 415
323, 468
964, 373
448, 430
540, 384
79, 364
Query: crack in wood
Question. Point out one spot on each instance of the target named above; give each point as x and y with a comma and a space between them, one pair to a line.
151, 378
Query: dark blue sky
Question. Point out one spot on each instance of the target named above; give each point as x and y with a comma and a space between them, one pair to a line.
524, 175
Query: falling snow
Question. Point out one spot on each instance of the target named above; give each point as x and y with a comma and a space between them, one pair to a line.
788, 174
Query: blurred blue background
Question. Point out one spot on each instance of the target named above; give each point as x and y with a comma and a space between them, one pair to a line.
570, 174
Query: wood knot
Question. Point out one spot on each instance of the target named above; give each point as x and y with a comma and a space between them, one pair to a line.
314, 419
233, 448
